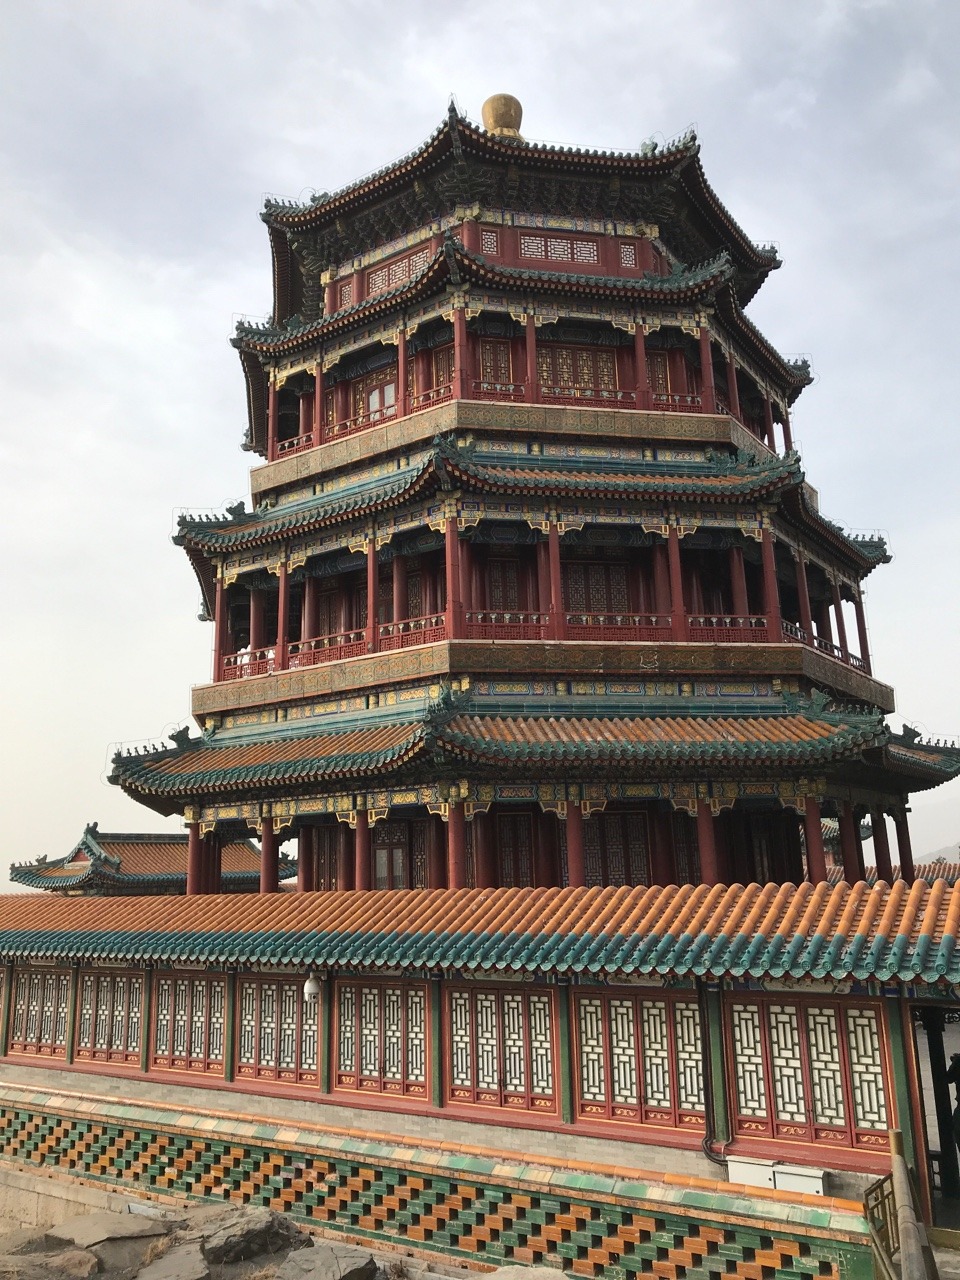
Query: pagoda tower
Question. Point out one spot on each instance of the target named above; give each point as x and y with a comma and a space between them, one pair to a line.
533, 591
536, 643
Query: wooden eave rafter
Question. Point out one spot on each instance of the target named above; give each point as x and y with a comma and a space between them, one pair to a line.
803, 517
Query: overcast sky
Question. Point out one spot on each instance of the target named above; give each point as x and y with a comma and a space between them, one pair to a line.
137, 143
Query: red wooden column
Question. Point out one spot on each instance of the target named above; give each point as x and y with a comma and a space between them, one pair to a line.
344, 856
708, 390
576, 863
306, 862
813, 836
862, 632
305, 426
678, 610
318, 394
456, 847
732, 388
848, 844
269, 858
706, 839
661, 577
662, 863
213, 857
484, 861
768, 423
841, 624
361, 852
771, 587
904, 847
194, 859
556, 583
221, 627
256, 618
531, 390
803, 591
273, 418
283, 618
543, 578
436, 853
454, 609
787, 434
825, 626
738, 583
310, 614
465, 548
403, 396
460, 379
881, 845
399, 587
643, 373
373, 593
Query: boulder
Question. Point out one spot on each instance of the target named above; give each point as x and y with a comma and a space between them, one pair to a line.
67, 1264
181, 1262
250, 1233
120, 1241
330, 1262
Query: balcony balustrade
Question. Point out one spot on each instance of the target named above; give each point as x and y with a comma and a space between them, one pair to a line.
427, 399
350, 426
728, 628
618, 626
595, 397
412, 631
308, 653
513, 391
286, 448
677, 403
486, 625
248, 662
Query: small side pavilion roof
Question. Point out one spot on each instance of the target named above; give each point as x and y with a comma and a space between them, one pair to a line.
108, 863
883, 933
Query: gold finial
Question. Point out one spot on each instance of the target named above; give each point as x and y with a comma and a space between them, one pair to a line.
502, 115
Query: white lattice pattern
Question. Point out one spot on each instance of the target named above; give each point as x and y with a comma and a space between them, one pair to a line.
656, 1053
786, 1064
489, 241
866, 1069
623, 1053
590, 1028
826, 1073
689, 1052
748, 1055
461, 1044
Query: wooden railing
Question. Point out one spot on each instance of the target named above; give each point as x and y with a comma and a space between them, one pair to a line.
513, 391
484, 624
349, 427
411, 631
343, 644
677, 403
248, 662
598, 397
427, 399
296, 445
618, 626
728, 628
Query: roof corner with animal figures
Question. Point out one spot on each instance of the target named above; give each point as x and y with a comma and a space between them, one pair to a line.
107, 863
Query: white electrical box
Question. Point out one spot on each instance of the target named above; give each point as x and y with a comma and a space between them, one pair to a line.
750, 1173
798, 1177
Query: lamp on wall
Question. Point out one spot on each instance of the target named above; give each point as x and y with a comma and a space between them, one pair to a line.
311, 988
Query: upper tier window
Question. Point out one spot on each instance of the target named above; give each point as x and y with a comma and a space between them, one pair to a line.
559, 249
628, 253
397, 272
489, 241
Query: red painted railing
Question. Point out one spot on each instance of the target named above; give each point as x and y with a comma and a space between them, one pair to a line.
482, 624
618, 626
427, 399
728, 629
598, 397
792, 632
248, 662
411, 631
498, 391
677, 403
345, 644
349, 427
297, 445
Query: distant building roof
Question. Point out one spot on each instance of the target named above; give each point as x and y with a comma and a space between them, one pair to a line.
112, 863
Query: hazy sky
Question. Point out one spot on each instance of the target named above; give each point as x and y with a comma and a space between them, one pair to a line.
137, 143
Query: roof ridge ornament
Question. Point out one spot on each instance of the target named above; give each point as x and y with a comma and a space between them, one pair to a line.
502, 115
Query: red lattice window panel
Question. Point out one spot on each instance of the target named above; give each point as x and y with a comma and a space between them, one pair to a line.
501, 1049
381, 1038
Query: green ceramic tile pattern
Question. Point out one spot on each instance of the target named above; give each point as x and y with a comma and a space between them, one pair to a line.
472, 1206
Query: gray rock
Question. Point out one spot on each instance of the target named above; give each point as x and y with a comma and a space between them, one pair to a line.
249, 1234
72, 1264
25, 1240
182, 1262
89, 1229
329, 1262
